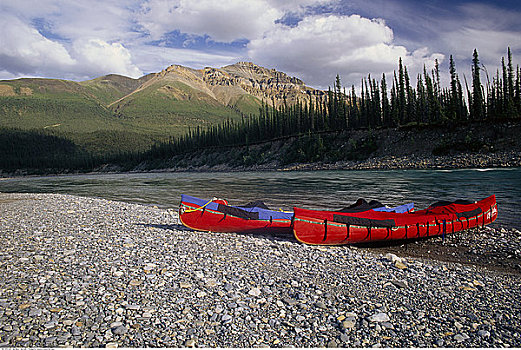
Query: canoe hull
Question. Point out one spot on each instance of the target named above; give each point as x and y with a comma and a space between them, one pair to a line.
210, 219
333, 228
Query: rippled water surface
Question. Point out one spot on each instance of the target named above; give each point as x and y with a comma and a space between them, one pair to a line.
310, 189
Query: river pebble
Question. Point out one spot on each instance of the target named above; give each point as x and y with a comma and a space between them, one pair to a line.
83, 272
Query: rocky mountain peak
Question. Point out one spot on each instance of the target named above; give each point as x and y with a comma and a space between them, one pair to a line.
266, 84
231, 83
250, 70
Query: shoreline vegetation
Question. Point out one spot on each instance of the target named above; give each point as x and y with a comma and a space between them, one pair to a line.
470, 124
473, 145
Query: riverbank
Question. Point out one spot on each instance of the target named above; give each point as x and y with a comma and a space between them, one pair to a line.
95, 273
476, 145
507, 159
510, 159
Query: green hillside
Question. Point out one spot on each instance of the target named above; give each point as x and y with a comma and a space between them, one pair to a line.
107, 115
247, 104
67, 114
114, 116
47, 103
171, 108
110, 88
63, 109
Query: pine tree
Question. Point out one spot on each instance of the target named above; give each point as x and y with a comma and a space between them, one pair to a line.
377, 109
510, 75
453, 89
367, 107
437, 82
401, 93
505, 92
421, 101
432, 116
477, 104
386, 111
395, 104
344, 110
456, 104
410, 108
311, 122
331, 101
500, 101
361, 115
354, 115
517, 99
338, 117
510, 104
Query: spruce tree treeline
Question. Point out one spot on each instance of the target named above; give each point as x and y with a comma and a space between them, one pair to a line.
342, 109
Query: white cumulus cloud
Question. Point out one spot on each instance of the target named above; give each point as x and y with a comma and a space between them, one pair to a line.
296, 5
156, 58
24, 50
223, 21
81, 40
98, 57
64, 39
320, 47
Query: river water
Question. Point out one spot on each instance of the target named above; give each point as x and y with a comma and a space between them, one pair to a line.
309, 189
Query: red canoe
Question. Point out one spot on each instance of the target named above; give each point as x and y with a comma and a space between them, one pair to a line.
217, 216
335, 228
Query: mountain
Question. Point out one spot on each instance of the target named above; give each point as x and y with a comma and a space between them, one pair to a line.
111, 87
233, 83
114, 113
241, 86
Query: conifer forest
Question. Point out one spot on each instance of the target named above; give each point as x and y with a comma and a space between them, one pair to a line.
385, 103
388, 101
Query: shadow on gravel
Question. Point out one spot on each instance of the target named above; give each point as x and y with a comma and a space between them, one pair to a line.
473, 247
258, 233
173, 227
272, 237
468, 248
388, 244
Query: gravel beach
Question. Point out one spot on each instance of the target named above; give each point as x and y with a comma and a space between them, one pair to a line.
84, 272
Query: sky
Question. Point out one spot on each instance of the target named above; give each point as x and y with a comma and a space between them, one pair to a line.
313, 40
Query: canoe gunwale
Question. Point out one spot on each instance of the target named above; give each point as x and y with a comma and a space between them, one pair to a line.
394, 228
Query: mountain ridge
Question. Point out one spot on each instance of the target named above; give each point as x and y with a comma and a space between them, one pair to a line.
153, 108
266, 84
227, 84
